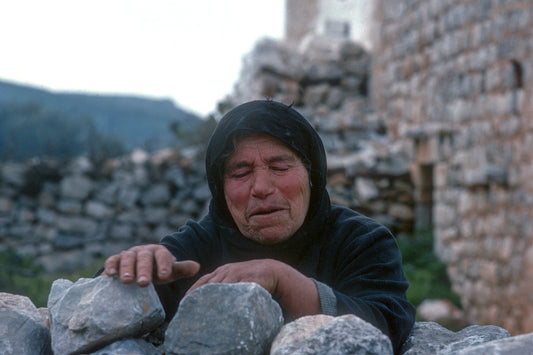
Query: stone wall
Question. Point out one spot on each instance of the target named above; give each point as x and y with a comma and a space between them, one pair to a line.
453, 80
67, 215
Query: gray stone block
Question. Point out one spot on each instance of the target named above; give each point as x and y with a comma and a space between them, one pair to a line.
128, 347
92, 313
239, 318
432, 338
346, 334
23, 330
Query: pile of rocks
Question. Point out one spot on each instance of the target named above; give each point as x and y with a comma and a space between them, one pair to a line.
104, 316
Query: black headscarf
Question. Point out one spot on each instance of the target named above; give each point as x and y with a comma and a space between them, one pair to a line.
284, 123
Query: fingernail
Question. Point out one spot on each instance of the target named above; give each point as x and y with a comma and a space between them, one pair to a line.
142, 279
126, 275
163, 272
112, 272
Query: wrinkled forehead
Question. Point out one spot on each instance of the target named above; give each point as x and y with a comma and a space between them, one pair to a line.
244, 139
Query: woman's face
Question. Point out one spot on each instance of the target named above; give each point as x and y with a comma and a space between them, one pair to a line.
266, 188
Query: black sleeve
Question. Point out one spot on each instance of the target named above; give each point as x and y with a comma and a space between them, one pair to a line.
368, 278
195, 241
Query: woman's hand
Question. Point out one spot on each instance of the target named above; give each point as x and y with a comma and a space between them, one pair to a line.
148, 263
295, 292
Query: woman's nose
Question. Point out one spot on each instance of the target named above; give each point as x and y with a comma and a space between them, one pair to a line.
262, 183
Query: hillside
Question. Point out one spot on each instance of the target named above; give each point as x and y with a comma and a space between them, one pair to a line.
137, 121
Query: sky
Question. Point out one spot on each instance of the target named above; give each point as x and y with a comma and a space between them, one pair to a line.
189, 51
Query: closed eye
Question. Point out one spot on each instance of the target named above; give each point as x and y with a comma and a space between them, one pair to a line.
240, 174
277, 168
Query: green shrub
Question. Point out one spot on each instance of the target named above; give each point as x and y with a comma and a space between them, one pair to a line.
427, 275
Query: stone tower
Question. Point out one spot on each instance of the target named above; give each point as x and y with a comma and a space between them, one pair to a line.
332, 18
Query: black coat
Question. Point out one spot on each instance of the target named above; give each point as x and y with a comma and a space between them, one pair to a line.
358, 258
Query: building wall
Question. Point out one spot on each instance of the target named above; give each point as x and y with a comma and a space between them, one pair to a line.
453, 80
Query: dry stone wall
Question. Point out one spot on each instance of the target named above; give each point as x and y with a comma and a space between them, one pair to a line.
453, 80
67, 215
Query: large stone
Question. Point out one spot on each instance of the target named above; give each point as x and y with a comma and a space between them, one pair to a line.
128, 347
346, 334
299, 330
92, 313
432, 338
158, 194
77, 187
13, 173
23, 330
517, 345
98, 210
22, 305
239, 318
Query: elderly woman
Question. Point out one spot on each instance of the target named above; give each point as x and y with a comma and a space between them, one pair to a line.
270, 221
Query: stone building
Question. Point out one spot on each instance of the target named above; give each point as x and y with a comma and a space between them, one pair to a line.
333, 18
453, 81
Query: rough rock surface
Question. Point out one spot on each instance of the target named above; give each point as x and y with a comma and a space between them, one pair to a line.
518, 345
23, 328
237, 318
22, 305
128, 347
432, 338
346, 334
299, 329
91, 313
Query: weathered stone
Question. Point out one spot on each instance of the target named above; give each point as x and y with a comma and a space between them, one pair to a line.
128, 347
69, 206
517, 345
121, 231
21, 335
346, 334
77, 187
155, 215
13, 173
98, 210
67, 242
107, 193
366, 189
79, 225
299, 330
432, 338
128, 196
22, 305
6, 205
237, 318
202, 193
92, 313
23, 328
156, 195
